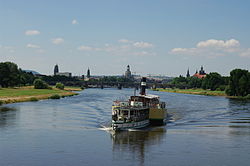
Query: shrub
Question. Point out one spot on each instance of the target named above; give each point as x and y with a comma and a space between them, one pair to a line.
60, 85
56, 96
222, 87
247, 96
1, 102
40, 84
33, 99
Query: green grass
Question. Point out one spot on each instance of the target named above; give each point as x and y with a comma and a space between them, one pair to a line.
28, 93
10, 92
73, 88
194, 91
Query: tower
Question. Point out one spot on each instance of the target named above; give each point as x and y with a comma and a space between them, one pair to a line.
188, 74
56, 69
202, 71
88, 73
128, 72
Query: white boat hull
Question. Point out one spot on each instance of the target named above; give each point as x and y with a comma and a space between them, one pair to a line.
116, 125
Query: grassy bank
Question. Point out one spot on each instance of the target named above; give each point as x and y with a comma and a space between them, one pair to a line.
194, 91
22, 94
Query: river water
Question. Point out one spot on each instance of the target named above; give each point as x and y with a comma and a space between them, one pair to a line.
200, 130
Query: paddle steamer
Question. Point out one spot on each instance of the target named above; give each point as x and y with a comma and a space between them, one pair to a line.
138, 111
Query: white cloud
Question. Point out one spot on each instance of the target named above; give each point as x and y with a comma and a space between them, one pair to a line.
125, 41
136, 44
85, 48
32, 32
74, 22
176, 50
124, 47
142, 45
211, 48
144, 53
32, 46
218, 43
57, 40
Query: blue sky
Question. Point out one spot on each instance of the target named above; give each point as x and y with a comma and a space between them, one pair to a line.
153, 37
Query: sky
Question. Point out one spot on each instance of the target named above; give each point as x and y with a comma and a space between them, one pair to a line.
163, 37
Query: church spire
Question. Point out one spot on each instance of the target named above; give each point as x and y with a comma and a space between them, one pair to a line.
128, 68
188, 74
56, 69
88, 73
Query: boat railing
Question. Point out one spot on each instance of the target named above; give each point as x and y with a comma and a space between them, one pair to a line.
132, 118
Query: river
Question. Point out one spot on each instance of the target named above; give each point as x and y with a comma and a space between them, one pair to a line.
200, 130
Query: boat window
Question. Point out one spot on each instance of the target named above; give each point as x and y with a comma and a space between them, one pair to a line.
131, 112
125, 112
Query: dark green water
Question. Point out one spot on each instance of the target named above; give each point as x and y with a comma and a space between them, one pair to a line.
201, 130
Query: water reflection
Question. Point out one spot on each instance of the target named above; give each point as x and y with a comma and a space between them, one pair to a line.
237, 105
239, 123
7, 116
133, 145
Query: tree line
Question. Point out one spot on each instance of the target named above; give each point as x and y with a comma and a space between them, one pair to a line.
212, 81
11, 75
237, 84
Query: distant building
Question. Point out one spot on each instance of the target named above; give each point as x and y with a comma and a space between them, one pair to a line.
56, 72
88, 73
128, 73
67, 74
188, 74
56, 69
201, 73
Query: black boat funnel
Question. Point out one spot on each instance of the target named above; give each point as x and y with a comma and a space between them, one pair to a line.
143, 86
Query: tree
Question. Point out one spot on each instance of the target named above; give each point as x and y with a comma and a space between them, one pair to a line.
243, 91
194, 82
26, 78
239, 83
180, 82
59, 86
212, 81
40, 84
9, 74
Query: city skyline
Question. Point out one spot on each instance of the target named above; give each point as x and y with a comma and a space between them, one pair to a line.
153, 37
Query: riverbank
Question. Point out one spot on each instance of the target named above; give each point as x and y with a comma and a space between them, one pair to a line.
194, 91
28, 93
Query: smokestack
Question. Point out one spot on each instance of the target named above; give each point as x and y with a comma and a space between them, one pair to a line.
143, 86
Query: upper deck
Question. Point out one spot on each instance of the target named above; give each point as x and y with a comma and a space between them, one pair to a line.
140, 102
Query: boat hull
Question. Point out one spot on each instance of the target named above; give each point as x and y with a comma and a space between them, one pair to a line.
116, 125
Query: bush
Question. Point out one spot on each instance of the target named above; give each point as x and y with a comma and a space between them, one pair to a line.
60, 85
40, 84
222, 87
247, 96
1, 102
56, 96
33, 99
